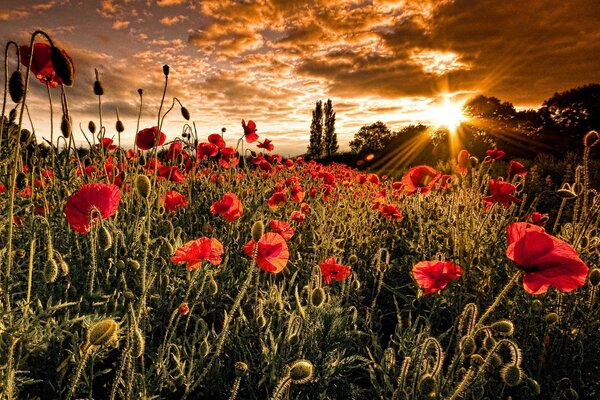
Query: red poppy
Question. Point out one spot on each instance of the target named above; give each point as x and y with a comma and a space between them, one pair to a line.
217, 140
250, 131
265, 145
229, 207
493, 154
391, 211
446, 181
41, 63
184, 309
297, 216
537, 218
174, 200
206, 150
107, 143
283, 228
131, 154
501, 193
332, 270
276, 199
195, 251
545, 260
435, 275
175, 149
229, 157
463, 162
148, 138
420, 179
89, 203
171, 173
516, 168
297, 194
272, 253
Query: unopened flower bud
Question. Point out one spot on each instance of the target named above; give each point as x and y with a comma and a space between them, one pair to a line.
16, 86
103, 332
301, 371
62, 65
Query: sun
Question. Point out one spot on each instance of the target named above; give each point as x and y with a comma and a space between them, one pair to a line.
448, 115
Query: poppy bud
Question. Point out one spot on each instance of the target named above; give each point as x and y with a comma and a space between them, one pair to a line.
21, 182
62, 65
353, 259
138, 342
214, 286
301, 371
258, 229
119, 126
51, 272
12, 115
489, 343
552, 318
355, 284
534, 386
537, 305
25, 136
185, 113
389, 358
570, 394
511, 375
92, 127
467, 346
566, 193
120, 265
426, 385
103, 332
223, 130
16, 86
64, 268
503, 327
477, 360
184, 309
261, 321
66, 126
317, 297
104, 238
98, 89
166, 70
140, 91
143, 185
241, 368
594, 277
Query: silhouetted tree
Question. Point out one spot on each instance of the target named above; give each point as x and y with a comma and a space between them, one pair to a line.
331, 144
371, 138
315, 148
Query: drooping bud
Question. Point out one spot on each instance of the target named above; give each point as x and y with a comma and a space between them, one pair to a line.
62, 65
426, 385
103, 332
12, 115
467, 345
138, 342
66, 126
503, 327
241, 368
552, 318
258, 229
143, 185
22, 181
92, 127
16, 86
594, 277
185, 113
511, 375
105, 240
184, 309
166, 70
301, 372
119, 126
51, 272
134, 264
353, 259
317, 297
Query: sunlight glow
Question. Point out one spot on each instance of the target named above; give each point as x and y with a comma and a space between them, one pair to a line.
448, 115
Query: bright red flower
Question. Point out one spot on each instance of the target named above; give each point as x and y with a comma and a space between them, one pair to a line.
501, 193
545, 260
89, 203
276, 199
435, 275
446, 181
272, 253
420, 179
250, 131
463, 162
107, 143
184, 309
283, 228
516, 168
297, 216
265, 145
174, 200
391, 211
217, 140
493, 154
175, 149
195, 251
131, 154
229, 207
228, 158
537, 218
171, 173
148, 138
41, 63
332, 270
298, 194
206, 150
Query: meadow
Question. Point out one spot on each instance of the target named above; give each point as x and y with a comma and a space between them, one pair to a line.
206, 266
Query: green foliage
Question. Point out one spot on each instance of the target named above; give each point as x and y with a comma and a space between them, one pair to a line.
316, 146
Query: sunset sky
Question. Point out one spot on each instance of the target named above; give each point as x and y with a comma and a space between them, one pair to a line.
271, 60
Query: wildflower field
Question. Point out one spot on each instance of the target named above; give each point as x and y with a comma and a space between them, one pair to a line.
204, 266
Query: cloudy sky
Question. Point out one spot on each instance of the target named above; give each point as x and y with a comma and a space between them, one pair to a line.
270, 60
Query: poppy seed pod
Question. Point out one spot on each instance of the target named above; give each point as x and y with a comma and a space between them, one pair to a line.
103, 332
62, 65
258, 229
119, 126
98, 89
66, 126
143, 185
16, 86
185, 113
301, 372
166, 70
92, 127
105, 240
511, 375
140, 91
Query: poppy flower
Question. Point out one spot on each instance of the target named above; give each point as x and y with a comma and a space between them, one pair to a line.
332, 270
272, 253
446, 181
433, 276
89, 203
229, 207
391, 211
420, 179
175, 149
265, 145
250, 131
501, 193
171, 173
297, 194
148, 138
537, 218
41, 63
493, 154
107, 143
545, 260
184, 309
276, 199
516, 168
174, 200
195, 251
228, 158
283, 228
217, 140
297, 216
463, 162
205, 150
